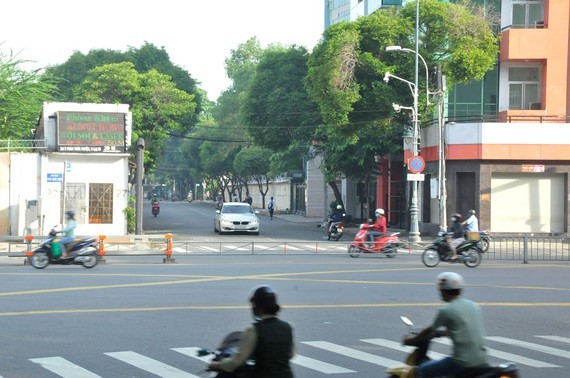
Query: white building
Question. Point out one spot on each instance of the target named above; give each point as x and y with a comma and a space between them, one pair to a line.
80, 162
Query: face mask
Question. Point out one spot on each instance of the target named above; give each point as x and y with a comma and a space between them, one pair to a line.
453, 219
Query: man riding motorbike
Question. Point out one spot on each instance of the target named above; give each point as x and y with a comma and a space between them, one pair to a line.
464, 324
68, 232
336, 216
458, 234
378, 228
269, 341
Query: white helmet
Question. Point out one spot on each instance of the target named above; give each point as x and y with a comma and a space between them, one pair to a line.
379, 212
450, 281
338, 207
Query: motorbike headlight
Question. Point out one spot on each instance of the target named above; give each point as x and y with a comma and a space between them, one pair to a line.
362, 225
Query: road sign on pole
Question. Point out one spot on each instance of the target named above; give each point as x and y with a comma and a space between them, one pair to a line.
416, 164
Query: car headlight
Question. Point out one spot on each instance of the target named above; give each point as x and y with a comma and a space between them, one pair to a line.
255, 222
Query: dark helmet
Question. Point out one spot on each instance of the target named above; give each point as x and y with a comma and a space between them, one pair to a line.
471, 212
458, 216
70, 214
264, 299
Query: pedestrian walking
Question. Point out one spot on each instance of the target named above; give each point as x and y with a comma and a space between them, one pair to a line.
271, 207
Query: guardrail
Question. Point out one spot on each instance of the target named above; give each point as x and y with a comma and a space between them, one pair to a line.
523, 248
528, 248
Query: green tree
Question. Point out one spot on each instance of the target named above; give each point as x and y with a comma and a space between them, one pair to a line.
347, 67
22, 94
75, 70
253, 162
158, 107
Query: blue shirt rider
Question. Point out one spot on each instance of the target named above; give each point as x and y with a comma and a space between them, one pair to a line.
68, 232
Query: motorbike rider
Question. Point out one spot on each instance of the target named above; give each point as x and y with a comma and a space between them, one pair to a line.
457, 234
219, 201
68, 232
471, 223
336, 216
269, 341
463, 322
378, 228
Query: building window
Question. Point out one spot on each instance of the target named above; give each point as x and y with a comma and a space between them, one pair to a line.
101, 203
75, 200
523, 88
528, 14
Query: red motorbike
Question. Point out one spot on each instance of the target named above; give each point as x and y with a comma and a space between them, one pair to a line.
386, 244
155, 209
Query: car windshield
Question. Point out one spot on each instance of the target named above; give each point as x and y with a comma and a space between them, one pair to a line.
237, 210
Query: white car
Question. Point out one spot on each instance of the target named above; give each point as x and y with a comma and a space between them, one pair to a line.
236, 217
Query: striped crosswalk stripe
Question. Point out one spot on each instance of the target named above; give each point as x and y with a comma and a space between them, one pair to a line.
508, 356
63, 368
532, 346
556, 338
354, 353
150, 365
310, 363
399, 347
323, 367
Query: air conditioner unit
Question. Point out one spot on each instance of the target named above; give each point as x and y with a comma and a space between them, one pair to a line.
534, 105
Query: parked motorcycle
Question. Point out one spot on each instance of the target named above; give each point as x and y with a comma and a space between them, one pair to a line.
386, 244
79, 252
227, 348
155, 209
468, 252
484, 240
419, 355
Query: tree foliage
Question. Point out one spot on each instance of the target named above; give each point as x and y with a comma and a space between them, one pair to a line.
346, 71
158, 107
22, 94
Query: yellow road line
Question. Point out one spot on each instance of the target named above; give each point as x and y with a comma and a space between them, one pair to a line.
241, 308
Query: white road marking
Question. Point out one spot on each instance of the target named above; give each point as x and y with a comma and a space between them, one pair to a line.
556, 338
354, 353
531, 346
63, 367
323, 367
402, 348
508, 356
150, 365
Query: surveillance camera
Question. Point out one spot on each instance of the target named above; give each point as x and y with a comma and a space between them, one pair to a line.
387, 77
396, 107
140, 144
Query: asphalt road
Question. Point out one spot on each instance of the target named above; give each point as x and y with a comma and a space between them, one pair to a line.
140, 318
136, 317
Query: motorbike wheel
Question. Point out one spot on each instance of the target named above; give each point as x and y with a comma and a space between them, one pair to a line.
354, 251
430, 257
92, 259
39, 260
484, 244
337, 237
473, 258
390, 252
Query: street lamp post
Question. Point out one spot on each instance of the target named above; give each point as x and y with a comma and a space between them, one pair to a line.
414, 235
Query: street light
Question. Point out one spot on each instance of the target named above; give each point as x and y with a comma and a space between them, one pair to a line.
406, 50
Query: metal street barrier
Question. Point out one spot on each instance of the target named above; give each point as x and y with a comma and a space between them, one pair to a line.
523, 248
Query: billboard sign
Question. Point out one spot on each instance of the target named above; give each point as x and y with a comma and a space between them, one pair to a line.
91, 132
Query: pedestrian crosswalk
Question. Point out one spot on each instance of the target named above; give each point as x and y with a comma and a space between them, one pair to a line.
325, 358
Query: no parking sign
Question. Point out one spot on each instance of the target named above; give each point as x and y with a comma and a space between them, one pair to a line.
416, 164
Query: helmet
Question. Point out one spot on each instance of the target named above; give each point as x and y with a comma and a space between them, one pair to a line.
70, 214
264, 299
471, 212
379, 212
339, 207
456, 217
450, 281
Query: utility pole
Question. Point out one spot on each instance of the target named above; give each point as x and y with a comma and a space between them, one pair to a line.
442, 192
139, 189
